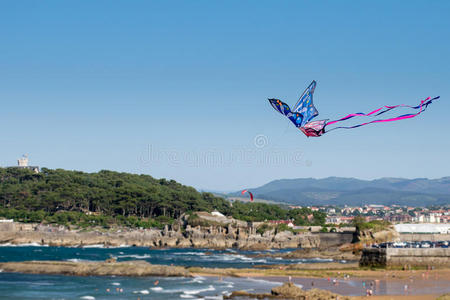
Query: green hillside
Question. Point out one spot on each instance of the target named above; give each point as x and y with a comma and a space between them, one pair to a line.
106, 192
111, 198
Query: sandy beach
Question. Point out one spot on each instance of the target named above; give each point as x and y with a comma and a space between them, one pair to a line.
398, 297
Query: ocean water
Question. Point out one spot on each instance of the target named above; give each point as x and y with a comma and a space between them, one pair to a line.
29, 286
229, 258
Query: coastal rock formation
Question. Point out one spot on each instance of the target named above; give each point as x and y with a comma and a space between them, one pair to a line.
107, 268
371, 237
215, 237
240, 235
289, 291
326, 254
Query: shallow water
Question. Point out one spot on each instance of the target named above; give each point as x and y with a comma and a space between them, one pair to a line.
181, 257
27, 286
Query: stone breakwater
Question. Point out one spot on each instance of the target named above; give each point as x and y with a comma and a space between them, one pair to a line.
438, 257
216, 237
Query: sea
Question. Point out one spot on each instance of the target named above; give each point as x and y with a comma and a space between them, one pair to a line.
33, 286
229, 258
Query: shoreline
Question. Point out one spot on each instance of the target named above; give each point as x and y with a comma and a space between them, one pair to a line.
237, 236
138, 268
323, 276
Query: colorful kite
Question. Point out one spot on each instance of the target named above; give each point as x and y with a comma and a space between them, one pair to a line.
250, 193
304, 111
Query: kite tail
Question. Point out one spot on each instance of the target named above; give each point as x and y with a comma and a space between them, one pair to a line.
422, 106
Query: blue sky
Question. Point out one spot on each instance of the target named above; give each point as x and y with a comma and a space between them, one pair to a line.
178, 89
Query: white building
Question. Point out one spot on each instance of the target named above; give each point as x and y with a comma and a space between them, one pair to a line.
423, 228
23, 164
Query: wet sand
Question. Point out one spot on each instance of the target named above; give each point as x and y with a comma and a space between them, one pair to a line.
358, 286
326, 270
398, 297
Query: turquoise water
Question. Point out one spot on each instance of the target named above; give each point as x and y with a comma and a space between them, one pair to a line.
29, 286
180, 257
26, 286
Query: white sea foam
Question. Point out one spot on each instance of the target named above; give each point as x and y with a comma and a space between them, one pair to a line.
94, 246
189, 292
134, 256
76, 260
318, 259
194, 292
115, 283
23, 245
186, 296
88, 297
197, 279
156, 289
144, 292
189, 253
236, 257
103, 246
266, 282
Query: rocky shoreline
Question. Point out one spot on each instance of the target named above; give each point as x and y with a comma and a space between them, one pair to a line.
142, 268
213, 237
289, 291
332, 253
104, 268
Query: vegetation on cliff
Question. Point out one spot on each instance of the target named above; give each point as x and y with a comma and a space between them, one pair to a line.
72, 197
260, 212
373, 226
106, 197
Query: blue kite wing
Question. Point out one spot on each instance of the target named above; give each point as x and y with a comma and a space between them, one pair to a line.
284, 109
281, 107
305, 106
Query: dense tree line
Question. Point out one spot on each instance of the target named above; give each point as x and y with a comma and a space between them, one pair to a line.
106, 197
106, 192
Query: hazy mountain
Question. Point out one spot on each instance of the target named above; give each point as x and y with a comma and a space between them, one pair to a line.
351, 191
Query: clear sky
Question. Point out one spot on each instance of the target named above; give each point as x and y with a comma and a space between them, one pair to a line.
178, 89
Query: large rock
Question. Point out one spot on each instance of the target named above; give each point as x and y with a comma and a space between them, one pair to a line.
129, 268
289, 290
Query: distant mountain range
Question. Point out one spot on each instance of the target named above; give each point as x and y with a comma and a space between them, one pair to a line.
351, 191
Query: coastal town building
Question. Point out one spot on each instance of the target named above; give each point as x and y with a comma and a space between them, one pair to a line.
287, 222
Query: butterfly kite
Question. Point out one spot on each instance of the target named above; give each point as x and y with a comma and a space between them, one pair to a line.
304, 111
